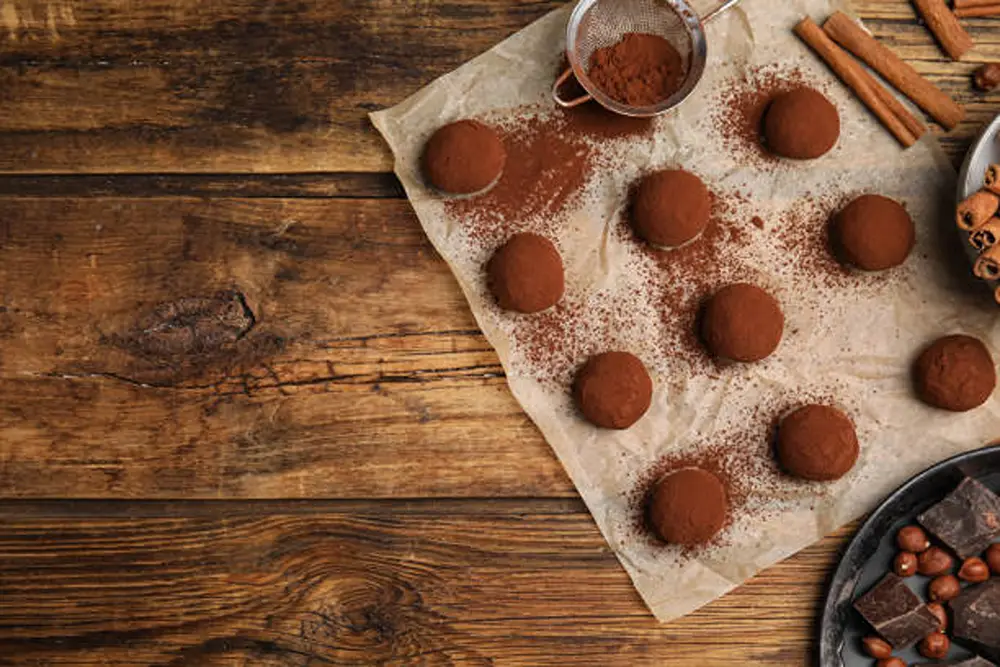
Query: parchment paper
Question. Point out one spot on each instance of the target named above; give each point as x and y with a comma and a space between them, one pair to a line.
852, 345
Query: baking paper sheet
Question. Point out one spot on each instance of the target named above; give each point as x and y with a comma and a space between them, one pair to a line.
849, 342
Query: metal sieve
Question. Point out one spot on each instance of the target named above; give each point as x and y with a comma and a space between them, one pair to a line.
595, 24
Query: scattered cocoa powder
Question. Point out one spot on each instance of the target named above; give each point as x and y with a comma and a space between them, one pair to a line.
738, 113
546, 166
742, 459
757, 222
640, 70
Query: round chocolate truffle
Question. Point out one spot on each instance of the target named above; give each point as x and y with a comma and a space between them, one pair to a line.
742, 322
464, 158
688, 507
526, 274
670, 208
818, 443
955, 373
801, 124
613, 390
873, 233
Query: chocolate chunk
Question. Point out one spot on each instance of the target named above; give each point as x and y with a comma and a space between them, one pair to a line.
967, 520
976, 615
896, 612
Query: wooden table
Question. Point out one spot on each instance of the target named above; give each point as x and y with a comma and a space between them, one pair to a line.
245, 414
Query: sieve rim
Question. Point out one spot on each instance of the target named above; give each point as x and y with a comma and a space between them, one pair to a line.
697, 58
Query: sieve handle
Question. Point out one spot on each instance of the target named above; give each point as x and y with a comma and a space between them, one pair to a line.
567, 104
729, 4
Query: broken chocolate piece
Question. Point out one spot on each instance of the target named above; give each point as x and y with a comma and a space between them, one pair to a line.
896, 612
976, 615
967, 520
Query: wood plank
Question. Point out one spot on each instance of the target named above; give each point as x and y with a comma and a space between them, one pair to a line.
503, 582
345, 185
169, 347
284, 85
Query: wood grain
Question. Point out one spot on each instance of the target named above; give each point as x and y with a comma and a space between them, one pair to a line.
284, 85
121, 376
471, 583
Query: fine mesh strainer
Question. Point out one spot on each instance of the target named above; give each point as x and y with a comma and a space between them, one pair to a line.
596, 24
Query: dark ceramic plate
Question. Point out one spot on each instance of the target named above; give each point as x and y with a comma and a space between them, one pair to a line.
869, 556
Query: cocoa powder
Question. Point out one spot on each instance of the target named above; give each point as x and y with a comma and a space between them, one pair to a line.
640, 70
546, 165
738, 112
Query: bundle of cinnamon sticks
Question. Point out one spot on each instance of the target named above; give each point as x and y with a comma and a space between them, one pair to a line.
840, 35
979, 217
971, 8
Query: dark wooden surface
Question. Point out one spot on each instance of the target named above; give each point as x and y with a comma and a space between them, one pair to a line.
245, 414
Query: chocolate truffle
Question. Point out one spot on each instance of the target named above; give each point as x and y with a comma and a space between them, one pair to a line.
613, 390
670, 208
463, 158
742, 322
955, 373
801, 124
688, 507
817, 442
873, 233
526, 274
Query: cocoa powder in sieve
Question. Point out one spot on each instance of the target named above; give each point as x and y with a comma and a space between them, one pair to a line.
640, 70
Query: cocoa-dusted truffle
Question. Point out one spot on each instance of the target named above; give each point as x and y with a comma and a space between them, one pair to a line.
873, 233
817, 442
670, 208
613, 390
955, 373
801, 124
688, 507
463, 158
742, 322
526, 274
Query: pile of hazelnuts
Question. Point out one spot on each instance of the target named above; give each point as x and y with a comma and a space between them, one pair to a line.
918, 556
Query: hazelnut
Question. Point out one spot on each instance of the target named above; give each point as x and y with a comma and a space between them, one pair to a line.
944, 588
877, 647
934, 646
934, 561
912, 539
891, 662
905, 564
939, 612
987, 77
974, 570
993, 558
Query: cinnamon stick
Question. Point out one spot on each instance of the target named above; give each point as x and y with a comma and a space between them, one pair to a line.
986, 236
945, 26
987, 266
980, 10
976, 210
962, 4
992, 178
851, 73
893, 69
